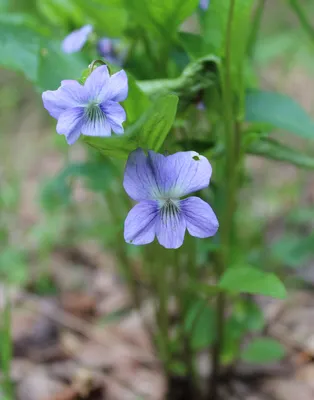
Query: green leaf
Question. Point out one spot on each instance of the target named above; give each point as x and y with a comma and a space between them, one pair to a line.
279, 111
19, 49
293, 250
55, 66
161, 17
274, 150
263, 350
200, 324
251, 280
109, 16
60, 12
214, 27
136, 103
193, 45
149, 132
157, 125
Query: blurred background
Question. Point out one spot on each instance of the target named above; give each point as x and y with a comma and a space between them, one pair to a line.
74, 330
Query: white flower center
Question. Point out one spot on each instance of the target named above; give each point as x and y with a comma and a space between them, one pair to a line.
169, 209
93, 111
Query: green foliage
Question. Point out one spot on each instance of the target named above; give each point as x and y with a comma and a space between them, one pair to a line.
263, 350
6, 348
200, 324
103, 13
292, 250
214, 27
274, 150
279, 111
19, 48
13, 266
54, 65
161, 17
251, 280
136, 103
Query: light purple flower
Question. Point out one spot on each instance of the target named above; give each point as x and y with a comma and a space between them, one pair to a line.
204, 4
76, 39
105, 47
158, 183
92, 109
201, 106
109, 50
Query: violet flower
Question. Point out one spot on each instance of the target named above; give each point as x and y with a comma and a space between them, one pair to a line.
92, 109
158, 183
105, 48
204, 4
109, 50
76, 39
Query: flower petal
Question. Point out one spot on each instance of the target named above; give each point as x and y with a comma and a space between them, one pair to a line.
170, 230
201, 220
74, 92
139, 226
76, 39
73, 136
115, 115
97, 82
67, 81
118, 86
181, 173
97, 127
69, 94
70, 120
139, 181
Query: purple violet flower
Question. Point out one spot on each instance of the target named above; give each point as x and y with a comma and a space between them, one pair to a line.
76, 39
201, 106
158, 183
204, 4
105, 47
108, 49
92, 109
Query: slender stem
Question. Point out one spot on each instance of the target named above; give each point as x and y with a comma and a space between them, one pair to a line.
256, 24
184, 336
302, 17
6, 348
162, 287
124, 262
228, 206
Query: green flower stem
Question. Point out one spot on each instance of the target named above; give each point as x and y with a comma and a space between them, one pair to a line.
179, 273
125, 265
159, 268
230, 175
6, 349
256, 24
302, 17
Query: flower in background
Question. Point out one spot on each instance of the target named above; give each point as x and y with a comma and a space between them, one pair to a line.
201, 106
158, 183
204, 4
109, 50
76, 39
105, 49
92, 109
